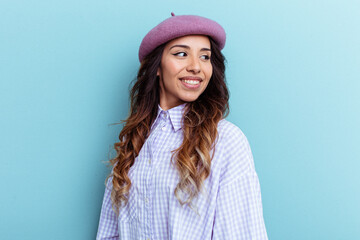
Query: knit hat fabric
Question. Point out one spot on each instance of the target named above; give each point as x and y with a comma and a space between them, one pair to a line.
179, 26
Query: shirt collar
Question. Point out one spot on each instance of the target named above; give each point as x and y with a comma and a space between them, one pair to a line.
175, 114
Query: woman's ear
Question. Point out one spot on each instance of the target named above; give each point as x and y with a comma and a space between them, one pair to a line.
158, 72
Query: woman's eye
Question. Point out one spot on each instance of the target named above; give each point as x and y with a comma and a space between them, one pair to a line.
205, 57
180, 54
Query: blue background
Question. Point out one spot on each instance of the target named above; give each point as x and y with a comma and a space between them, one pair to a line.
294, 75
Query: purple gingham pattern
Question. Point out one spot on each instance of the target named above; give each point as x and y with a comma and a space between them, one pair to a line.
229, 206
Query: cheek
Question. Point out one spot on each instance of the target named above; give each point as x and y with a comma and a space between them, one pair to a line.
171, 68
208, 71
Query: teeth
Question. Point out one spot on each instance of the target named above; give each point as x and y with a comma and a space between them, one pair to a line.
193, 82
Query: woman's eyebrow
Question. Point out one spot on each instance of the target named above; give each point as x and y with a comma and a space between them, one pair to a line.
187, 47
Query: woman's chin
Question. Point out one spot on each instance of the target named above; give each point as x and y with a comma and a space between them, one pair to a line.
190, 99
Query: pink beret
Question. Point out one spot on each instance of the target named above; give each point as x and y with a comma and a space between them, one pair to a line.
178, 26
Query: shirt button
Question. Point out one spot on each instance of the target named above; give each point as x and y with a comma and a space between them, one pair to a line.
165, 115
163, 128
146, 200
149, 161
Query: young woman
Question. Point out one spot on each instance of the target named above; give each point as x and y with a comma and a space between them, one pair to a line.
182, 171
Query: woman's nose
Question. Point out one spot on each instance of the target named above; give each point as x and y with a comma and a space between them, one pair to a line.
194, 65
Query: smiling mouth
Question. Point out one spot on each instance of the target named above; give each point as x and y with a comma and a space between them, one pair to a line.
191, 80
191, 83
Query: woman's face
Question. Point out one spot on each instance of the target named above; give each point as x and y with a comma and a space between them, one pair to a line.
185, 70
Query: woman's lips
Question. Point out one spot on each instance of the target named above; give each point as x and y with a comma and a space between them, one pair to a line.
191, 82
191, 78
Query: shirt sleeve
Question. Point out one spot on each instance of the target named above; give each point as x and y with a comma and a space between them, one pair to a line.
239, 212
108, 228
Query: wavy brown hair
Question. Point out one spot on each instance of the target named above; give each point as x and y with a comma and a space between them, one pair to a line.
201, 117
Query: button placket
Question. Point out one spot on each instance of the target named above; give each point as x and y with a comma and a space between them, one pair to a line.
149, 167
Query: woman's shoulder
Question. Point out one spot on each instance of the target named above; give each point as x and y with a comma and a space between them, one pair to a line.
229, 131
232, 137
236, 156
